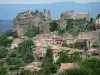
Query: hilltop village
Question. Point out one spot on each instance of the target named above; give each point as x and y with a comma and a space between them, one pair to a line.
46, 46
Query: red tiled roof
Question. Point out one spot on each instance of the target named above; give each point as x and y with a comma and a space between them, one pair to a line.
30, 66
65, 66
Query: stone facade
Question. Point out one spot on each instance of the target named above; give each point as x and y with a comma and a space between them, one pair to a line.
45, 40
89, 36
98, 22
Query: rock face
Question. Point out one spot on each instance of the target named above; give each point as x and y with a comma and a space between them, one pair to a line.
27, 20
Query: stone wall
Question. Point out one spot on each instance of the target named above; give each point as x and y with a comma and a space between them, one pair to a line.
98, 22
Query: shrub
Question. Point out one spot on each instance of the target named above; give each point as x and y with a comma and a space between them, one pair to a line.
53, 26
32, 32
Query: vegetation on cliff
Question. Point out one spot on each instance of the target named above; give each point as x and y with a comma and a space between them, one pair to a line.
4, 40
53, 26
32, 32
81, 25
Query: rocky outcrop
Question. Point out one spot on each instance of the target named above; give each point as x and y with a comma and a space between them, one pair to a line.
27, 20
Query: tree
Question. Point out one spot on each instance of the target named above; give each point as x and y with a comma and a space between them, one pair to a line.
92, 64
3, 52
32, 32
44, 10
37, 11
64, 45
4, 41
53, 26
63, 58
76, 71
78, 45
48, 67
25, 50
61, 31
98, 16
96, 45
3, 71
26, 72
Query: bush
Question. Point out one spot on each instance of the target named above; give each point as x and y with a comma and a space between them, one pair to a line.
3, 52
48, 67
14, 61
96, 45
53, 26
3, 71
92, 64
65, 58
76, 72
64, 45
4, 41
74, 27
32, 32
78, 45
25, 50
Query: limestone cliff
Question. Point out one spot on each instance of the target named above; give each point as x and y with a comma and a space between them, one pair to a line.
27, 20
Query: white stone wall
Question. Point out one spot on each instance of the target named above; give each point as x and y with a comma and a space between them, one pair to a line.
98, 22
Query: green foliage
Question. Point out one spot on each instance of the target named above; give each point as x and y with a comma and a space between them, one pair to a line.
3, 52
25, 50
14, 61
65, 58
98, 16
91, 27
64, 45
53, 26
32, 12
78, 45
76, 72
32, 32
61, 31
81, 25
27, 43
49, 56
96, 45
44, 10
48, 67
4, 41
37, 11
26, 72
92, 64
3, 71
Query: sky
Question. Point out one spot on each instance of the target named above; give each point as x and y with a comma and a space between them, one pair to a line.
42, 1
